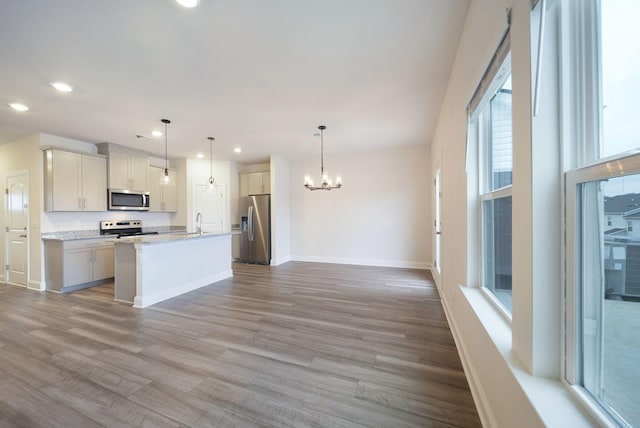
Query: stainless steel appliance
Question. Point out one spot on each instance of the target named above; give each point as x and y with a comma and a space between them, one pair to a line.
128, 200
123, 228
255, 241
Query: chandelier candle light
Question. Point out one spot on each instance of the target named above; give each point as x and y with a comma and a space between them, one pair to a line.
165, 179
326, 183
212, 182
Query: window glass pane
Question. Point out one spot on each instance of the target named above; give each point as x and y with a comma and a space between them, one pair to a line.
497, 248
620, 71
610, 313
499, 148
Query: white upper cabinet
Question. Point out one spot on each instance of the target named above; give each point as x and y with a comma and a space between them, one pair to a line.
161, 198
128, 171
255, 183
74, 181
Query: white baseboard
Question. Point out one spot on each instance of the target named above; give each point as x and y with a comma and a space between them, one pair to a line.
276, 262
37, 285
364, 262
148, 300
479, 397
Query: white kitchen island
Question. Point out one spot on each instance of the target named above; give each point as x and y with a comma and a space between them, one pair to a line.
153, 268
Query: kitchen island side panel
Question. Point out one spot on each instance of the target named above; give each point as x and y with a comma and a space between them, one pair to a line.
172, 267
125, 267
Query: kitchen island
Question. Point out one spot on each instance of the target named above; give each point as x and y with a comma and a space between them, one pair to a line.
153, 268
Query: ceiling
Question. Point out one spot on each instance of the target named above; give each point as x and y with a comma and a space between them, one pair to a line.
255, 74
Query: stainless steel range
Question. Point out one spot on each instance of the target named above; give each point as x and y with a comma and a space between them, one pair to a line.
123, 228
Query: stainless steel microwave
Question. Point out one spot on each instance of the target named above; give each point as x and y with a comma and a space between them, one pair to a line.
128, 200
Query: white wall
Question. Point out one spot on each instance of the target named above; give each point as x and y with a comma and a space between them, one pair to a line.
25, 154
280, 210
511, 384
381, 215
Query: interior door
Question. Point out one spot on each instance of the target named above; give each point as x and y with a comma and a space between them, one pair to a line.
17, 215
438, 221
211, 206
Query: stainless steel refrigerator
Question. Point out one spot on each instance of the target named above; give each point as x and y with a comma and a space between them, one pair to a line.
255, 241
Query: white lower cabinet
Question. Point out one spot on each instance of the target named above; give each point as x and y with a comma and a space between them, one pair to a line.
71, 265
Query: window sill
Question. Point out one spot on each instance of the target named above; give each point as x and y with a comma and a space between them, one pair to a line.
549, 399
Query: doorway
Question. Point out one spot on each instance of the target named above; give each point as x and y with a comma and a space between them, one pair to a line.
211, 204
438, 222
17, 228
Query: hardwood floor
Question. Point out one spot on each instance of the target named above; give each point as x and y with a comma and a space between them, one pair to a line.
296, 345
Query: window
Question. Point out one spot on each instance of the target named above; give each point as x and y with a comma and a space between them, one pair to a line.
490, 121
603, 256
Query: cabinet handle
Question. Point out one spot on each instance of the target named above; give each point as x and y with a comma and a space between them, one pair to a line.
80, 203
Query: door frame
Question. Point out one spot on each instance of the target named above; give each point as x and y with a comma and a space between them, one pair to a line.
5, 226
220, 188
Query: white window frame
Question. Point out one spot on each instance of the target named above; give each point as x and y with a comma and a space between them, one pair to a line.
482, 136
477, 135
572, 376
582, 157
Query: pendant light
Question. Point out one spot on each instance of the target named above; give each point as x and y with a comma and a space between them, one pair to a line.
326, 183
212, 181
165, 179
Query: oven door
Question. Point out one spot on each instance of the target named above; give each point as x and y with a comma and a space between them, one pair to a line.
127, 200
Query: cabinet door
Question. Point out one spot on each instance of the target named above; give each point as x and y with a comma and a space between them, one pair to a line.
155, 190
103, 265
66, 176
94, 183
255, 183
266, 182
138, 169
77, 266
169, 196
118, 170
244, 185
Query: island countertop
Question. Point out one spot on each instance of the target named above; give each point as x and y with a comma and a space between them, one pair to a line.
168, 237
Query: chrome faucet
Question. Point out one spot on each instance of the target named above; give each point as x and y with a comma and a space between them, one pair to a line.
199, 223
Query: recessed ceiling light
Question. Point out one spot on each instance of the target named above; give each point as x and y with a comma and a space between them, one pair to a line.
62, 87
156, 133
237, 150
188, 3
200, 155
18, 106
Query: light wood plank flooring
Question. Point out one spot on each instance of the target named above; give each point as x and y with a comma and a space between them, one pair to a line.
296, 345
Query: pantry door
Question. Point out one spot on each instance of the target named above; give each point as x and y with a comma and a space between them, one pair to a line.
17, 222
211, 205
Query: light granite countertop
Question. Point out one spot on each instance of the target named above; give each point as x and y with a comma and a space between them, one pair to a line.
167, 237
74, 235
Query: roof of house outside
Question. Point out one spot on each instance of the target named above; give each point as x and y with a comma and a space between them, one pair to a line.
623, 204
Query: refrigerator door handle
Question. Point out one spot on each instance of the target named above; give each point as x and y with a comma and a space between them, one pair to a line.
250, 223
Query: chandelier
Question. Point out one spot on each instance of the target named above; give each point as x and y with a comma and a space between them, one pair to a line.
326, 183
